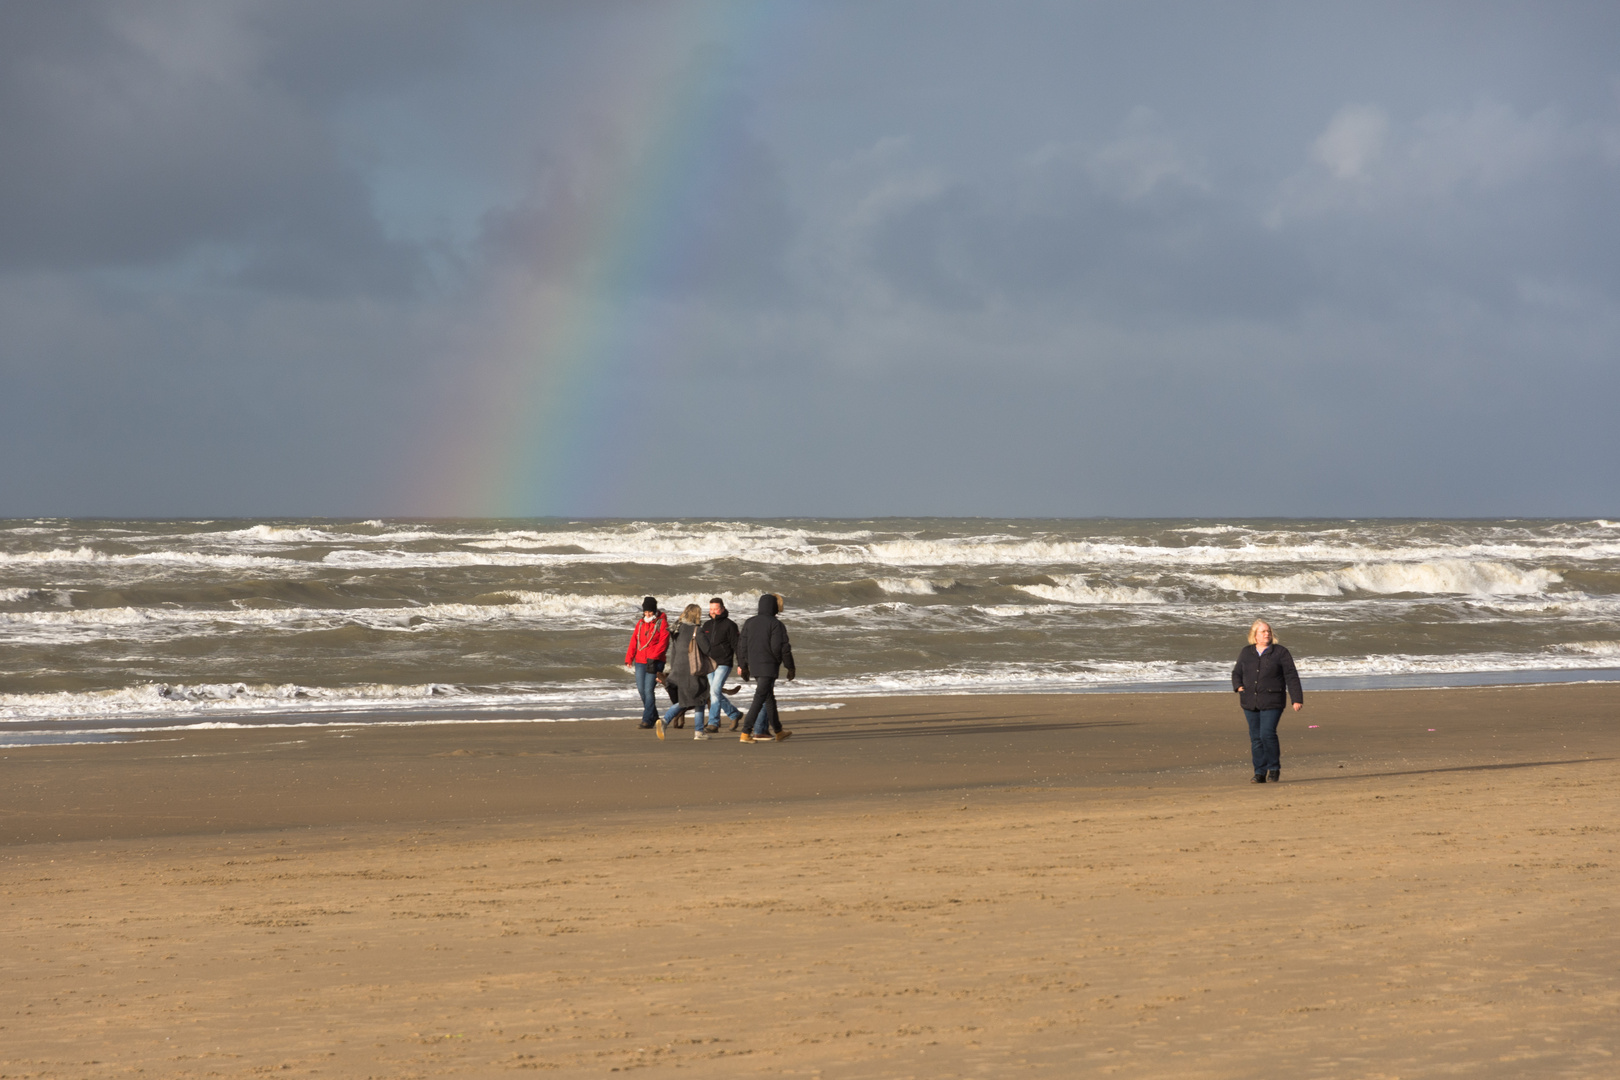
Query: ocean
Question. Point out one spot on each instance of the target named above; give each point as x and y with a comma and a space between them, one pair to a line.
113, 628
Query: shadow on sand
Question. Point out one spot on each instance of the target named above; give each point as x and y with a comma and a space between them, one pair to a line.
959, 728
1448, 769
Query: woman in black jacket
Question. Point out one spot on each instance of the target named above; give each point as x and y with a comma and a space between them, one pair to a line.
1264, 671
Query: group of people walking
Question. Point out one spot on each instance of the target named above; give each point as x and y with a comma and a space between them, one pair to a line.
694, 662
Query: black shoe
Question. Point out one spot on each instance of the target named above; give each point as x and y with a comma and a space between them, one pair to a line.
1275, 776
653, 724
1258, 778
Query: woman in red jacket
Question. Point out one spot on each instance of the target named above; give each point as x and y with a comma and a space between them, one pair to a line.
645, 657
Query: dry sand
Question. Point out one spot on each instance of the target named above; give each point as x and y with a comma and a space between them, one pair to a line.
932, 887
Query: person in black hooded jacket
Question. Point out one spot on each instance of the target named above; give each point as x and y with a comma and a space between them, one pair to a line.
764, 653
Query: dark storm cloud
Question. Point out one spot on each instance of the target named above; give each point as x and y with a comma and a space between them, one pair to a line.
138, 135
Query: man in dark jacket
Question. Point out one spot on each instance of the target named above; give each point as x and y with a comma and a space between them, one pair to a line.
718, 641
764, 653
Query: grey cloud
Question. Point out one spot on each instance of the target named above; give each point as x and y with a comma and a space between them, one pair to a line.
727, 234
129, 404
140, 135
1104, 231
1363, 162
1483, 204
321, 51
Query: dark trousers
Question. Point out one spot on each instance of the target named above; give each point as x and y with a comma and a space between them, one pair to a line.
1263, 739
763, 707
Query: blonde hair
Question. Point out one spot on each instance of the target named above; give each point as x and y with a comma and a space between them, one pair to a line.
692, 614
781, 604
1257, 624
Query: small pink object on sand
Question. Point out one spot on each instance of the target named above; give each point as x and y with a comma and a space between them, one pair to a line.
1313, 725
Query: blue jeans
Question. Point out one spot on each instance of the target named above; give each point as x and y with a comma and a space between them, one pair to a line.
647, 687
717, 700
1263, 739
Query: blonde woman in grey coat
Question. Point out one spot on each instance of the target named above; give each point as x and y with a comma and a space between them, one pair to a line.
686, 672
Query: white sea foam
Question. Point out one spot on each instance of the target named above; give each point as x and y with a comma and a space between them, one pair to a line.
52, 555
1608, 649
676, 542
990, 552
525, 606
547, 603
1018, 679
1389, 664
15, 596
1563, 605
1018, 611
190, 559
433, 560
1451, 576
676, 547
159, 700
912, 586
104, 735
543, 610
277, 534
1102, 674
1074, 589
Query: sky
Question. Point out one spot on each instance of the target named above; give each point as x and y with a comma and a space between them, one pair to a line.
371, 258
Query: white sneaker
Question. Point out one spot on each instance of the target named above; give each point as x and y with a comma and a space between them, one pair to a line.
700, 736
661, 726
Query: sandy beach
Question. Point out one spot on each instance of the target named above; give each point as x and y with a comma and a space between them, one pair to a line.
968, 886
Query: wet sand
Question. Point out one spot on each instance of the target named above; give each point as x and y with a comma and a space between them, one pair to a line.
975, 886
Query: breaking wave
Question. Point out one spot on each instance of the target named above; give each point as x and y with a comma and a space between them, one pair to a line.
913, 586
518, 606
1452, 576
1592, 648
194, 559
1074, 589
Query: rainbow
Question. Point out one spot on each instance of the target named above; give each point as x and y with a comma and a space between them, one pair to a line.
580, 338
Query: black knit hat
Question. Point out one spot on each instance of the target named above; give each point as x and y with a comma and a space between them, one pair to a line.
649, 603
